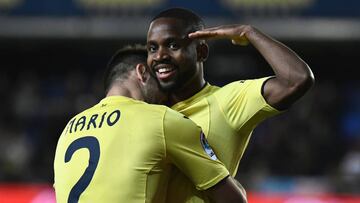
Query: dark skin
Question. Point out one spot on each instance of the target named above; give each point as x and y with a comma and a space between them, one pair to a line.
293, 77
176, 50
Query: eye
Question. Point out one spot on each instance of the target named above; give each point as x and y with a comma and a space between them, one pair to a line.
151, 48
174, 46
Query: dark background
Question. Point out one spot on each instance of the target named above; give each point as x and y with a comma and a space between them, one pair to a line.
52, 56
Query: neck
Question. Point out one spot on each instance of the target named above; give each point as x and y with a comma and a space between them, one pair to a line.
188, 90
125, 89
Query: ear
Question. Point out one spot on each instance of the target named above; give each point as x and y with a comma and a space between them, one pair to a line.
141, 73
202, 51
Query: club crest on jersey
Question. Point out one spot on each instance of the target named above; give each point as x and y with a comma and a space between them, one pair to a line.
207, 147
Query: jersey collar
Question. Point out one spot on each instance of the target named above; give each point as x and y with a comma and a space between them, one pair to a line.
115, 99
205, 91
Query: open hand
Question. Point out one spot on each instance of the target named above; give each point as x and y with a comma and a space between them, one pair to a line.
236, 33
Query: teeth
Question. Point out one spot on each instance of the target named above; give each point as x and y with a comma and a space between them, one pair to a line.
163, 70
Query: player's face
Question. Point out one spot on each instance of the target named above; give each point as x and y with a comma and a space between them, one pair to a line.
172, 56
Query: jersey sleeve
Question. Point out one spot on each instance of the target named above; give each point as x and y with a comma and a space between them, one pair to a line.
188, 150
242, 103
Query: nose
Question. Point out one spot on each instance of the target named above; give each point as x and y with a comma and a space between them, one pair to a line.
162, 54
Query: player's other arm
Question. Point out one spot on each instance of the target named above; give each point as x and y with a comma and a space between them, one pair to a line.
227, 190
189, 151
293, 77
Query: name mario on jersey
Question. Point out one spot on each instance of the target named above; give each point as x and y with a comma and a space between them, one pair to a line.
93, 121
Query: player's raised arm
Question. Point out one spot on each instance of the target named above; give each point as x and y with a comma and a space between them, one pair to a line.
293, 77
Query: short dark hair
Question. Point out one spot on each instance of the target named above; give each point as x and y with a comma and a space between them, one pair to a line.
186, 15
122, 62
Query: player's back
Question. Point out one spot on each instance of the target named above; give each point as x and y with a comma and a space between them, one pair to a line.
113, 152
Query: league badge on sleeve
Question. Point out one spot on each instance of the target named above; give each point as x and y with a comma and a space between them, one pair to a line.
207, 147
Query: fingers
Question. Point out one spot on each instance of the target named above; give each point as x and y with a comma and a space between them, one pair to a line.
236, 33
203, 34
216, 34
212, 32
225, 31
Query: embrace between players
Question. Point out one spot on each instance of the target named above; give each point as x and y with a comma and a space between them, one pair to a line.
126, 150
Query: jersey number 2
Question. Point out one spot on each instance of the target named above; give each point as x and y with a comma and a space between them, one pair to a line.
92, 144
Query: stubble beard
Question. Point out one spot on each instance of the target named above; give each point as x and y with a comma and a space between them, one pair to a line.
178, 82
153, 92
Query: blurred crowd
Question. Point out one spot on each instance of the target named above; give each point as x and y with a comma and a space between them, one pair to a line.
35, 109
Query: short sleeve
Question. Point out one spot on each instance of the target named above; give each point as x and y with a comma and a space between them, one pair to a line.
188, 150
242, 101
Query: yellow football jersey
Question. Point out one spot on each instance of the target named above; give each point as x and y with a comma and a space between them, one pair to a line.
227, 116
123, 150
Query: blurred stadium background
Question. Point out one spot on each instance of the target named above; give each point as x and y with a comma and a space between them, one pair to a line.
53, 53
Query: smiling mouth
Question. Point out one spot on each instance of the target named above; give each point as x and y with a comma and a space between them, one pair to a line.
165, 72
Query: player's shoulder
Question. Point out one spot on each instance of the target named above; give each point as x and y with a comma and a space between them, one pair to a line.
170, 113
242, 84
175, 119
138, 107
156, 112
153, 108
237, 83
